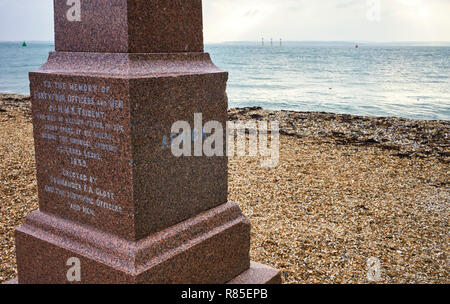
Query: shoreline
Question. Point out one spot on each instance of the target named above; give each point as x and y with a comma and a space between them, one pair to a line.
403, 136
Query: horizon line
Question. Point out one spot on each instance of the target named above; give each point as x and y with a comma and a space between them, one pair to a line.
254, 41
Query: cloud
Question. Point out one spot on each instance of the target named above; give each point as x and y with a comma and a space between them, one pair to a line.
400, 20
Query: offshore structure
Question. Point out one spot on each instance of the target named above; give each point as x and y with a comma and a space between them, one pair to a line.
271, 42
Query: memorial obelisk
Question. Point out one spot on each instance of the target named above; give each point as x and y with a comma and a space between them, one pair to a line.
115, 205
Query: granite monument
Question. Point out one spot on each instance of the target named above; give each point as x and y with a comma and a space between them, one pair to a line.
114, 205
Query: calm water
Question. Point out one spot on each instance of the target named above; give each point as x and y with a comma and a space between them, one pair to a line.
407, 81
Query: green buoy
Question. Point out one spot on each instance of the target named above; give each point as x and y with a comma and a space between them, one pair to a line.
24, 44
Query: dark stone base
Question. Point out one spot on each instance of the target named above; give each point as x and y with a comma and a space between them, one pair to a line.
211, 248
257, 274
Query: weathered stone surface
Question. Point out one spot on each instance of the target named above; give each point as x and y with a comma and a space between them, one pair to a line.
104, 129
129, 26
212, 247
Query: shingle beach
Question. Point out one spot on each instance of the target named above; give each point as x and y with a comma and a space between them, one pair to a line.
347, 188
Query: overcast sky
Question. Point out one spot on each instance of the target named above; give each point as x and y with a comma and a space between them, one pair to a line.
237, 20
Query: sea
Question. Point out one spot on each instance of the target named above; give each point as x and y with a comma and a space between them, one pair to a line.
402, 80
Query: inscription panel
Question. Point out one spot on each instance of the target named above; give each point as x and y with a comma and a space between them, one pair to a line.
81, 131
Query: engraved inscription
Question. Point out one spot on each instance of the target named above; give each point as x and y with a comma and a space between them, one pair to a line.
78, 121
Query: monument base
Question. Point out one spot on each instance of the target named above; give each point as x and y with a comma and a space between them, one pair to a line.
257, 274
211, 248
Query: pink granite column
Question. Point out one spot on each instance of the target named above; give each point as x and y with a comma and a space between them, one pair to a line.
115, 205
